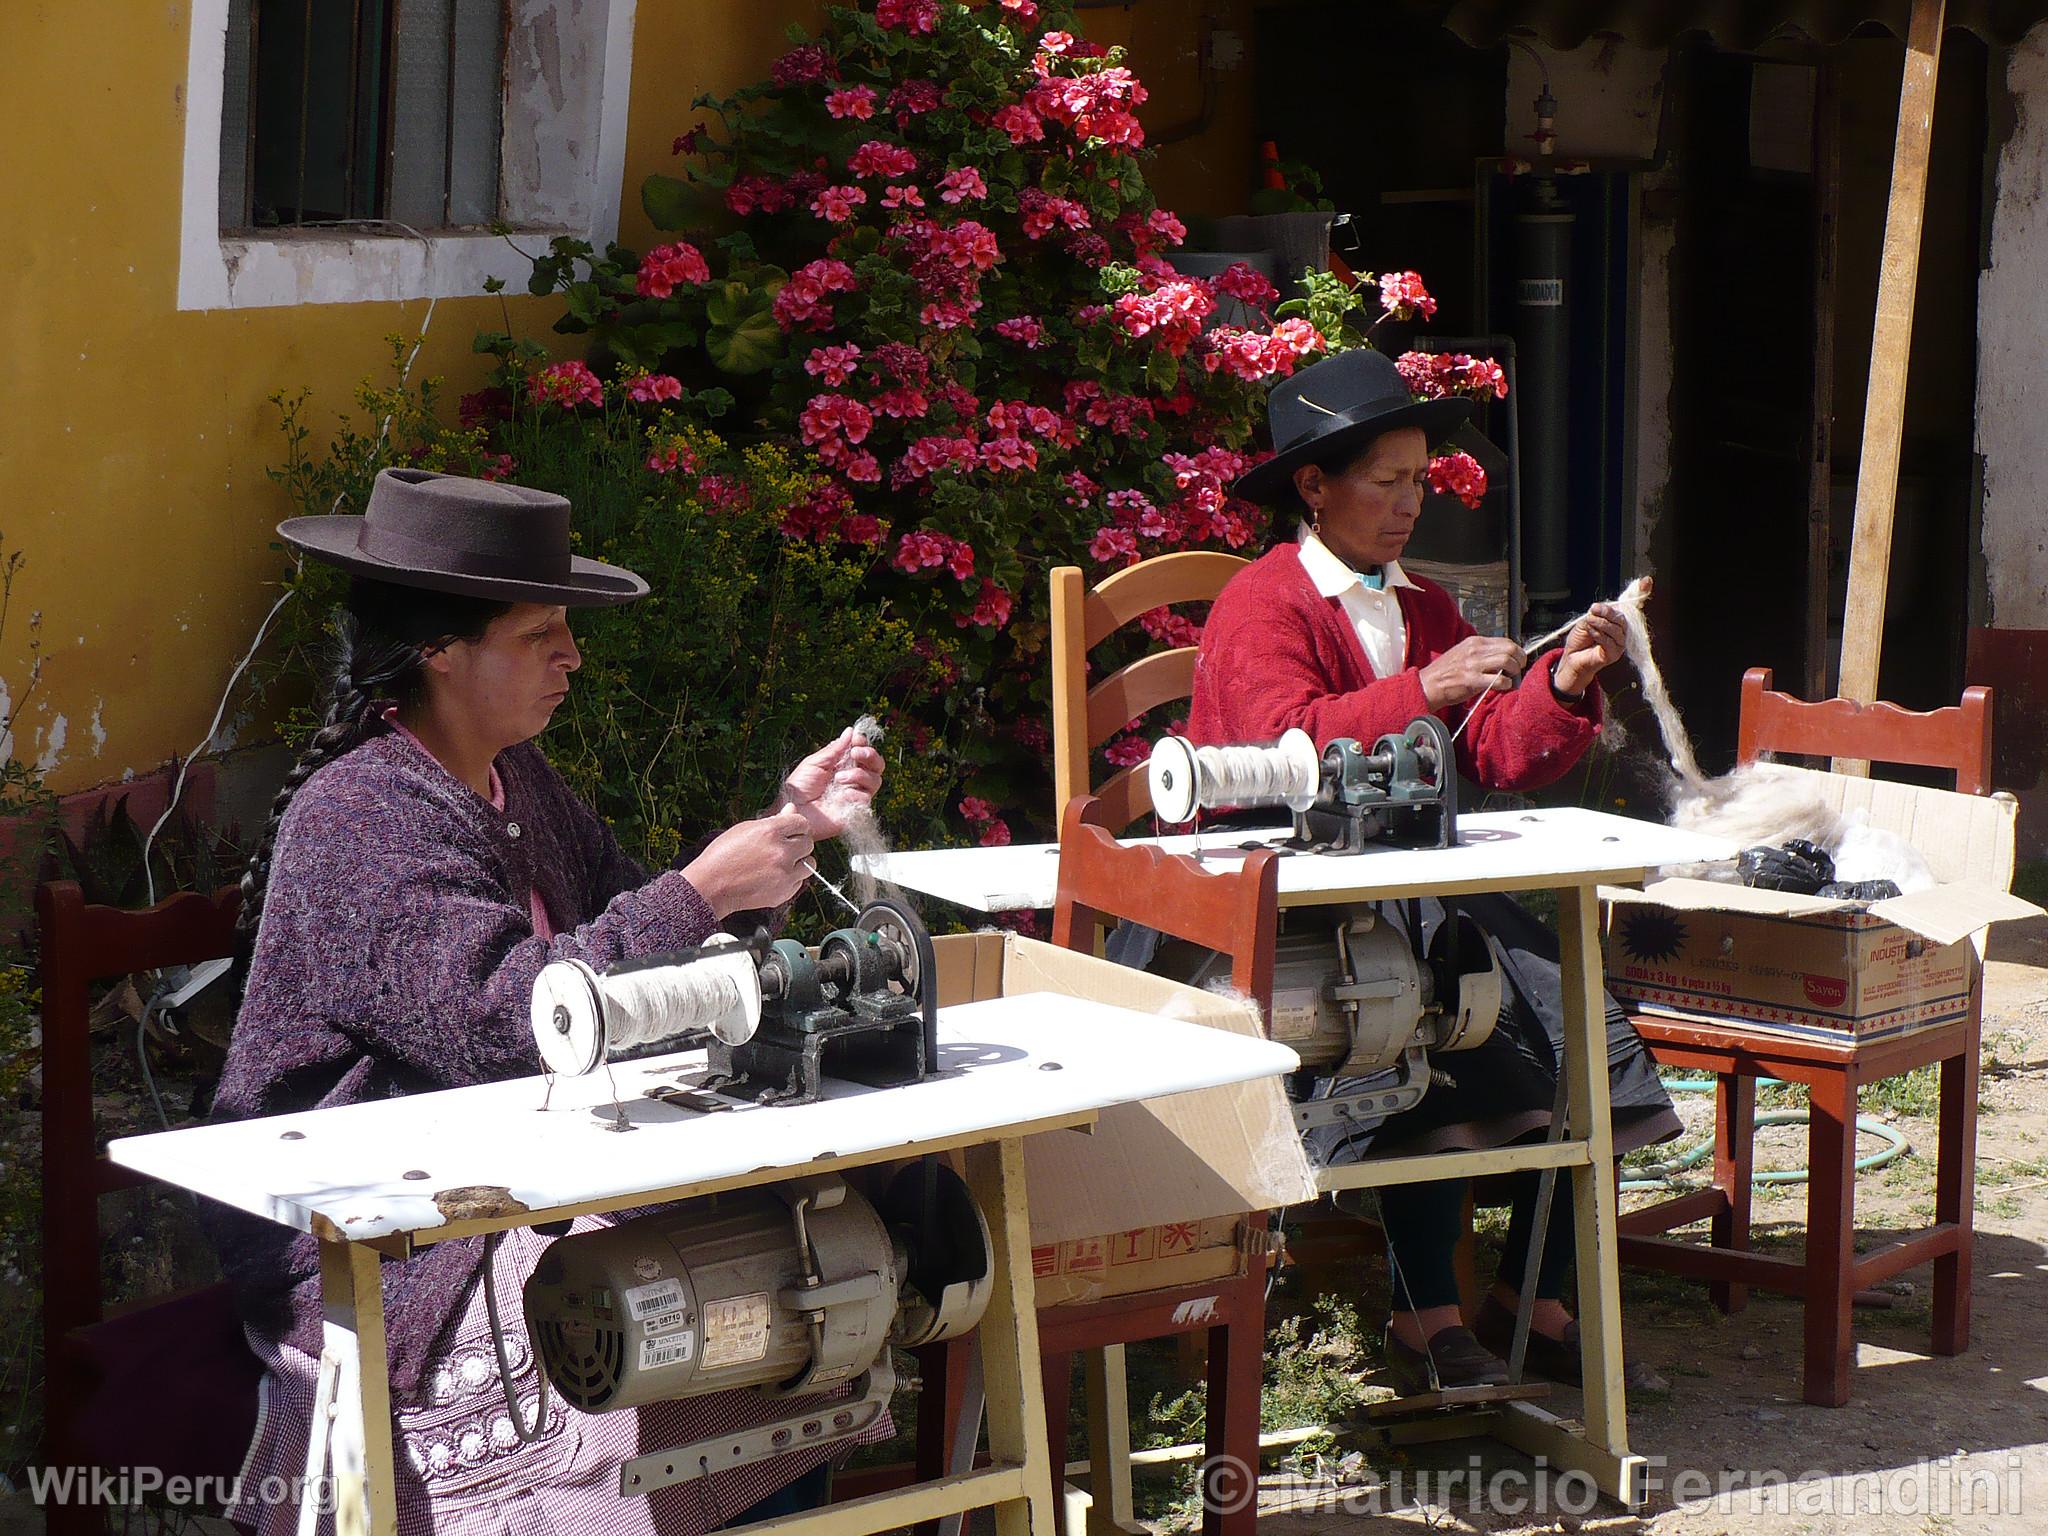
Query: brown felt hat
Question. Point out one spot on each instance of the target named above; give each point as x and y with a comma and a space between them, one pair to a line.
478, 538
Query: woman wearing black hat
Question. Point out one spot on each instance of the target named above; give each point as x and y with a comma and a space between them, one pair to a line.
1328, 634
421, 864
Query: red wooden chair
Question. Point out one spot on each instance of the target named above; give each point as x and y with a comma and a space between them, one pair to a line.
171, 1383
1234, 913
1829, 1273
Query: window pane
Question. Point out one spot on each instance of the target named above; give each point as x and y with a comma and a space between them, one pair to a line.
479, 103
304, 93
234, 119
419, 117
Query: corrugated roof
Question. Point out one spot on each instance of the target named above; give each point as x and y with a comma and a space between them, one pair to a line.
1730, 23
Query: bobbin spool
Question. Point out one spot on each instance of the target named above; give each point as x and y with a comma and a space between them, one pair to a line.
579, 1016
1185, 778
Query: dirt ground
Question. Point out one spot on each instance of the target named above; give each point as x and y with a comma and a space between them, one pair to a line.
1926, 1444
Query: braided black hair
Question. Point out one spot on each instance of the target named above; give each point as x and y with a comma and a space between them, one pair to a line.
384, 632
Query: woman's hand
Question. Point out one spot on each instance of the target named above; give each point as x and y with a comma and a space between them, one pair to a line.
833, 784
759, 863
1595, 642
1475, 665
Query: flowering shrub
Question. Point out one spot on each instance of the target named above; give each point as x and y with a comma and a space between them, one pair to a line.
950, 286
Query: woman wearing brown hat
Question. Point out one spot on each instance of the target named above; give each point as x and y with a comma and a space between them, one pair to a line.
1327, 633
421, 864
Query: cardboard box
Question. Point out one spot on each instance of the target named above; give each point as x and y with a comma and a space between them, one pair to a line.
1830, 970
1155, 1195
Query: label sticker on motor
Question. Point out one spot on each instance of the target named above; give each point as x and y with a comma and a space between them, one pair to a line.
645, 1301
735, 1330
676, 1349
665, 1322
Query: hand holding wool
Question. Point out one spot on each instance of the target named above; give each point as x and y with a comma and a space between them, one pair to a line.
834, 785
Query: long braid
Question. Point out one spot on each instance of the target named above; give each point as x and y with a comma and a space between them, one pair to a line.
384, 633
361, 683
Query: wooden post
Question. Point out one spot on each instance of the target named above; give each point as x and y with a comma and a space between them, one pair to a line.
1891, 343
1827, 200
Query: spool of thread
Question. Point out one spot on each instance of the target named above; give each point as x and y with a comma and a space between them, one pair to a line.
1185, 778
581, 1018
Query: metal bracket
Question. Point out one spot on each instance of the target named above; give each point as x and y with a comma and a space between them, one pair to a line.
825, 1424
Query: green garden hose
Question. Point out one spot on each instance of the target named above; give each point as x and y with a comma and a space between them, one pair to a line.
1659, 1175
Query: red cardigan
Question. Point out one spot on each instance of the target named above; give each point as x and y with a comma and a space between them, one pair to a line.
1277, 654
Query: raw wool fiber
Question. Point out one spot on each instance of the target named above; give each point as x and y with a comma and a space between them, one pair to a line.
1636, 633
862, 837
1758, 804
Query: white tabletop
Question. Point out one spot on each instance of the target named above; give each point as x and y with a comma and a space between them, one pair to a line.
350, 1165
1497, 851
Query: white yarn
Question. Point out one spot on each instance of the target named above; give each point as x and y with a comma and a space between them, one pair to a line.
1253, 776
664, 1001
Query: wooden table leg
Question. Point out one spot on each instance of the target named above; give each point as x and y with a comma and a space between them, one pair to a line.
1585, 1066
1009, 1342
1111, 1511
1056, 1372
1734, 1163
352, 1312
1955, 1181
1830, 1237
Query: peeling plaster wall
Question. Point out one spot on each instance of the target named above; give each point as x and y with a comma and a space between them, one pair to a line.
2012, 337
554, 100
133, 436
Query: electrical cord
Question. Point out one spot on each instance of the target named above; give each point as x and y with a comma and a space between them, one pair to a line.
513, 1410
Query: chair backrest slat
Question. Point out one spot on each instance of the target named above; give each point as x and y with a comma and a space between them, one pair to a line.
1956, 738
1232, 911
1082, 618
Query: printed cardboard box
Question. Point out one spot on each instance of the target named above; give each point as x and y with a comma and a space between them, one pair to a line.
1156, 1194
1831, 970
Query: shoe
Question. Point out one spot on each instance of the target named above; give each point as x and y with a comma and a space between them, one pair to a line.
1460, 1360
1553, 1359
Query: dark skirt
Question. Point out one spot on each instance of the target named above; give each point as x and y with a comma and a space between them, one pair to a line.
1503, 1090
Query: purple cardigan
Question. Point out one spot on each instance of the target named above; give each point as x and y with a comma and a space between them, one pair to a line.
397, 955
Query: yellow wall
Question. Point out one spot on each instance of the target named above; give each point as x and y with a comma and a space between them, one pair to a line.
134, 438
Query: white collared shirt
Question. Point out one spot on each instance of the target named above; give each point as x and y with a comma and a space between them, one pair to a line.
1376, 615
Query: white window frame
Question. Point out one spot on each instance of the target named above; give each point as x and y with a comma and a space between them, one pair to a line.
580, 197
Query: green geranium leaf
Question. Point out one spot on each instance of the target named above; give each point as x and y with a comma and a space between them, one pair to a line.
743, 336
667, 201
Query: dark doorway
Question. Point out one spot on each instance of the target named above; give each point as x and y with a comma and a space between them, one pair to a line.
1732, 585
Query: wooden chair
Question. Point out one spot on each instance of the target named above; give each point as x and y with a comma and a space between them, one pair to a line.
170, 1383
1083, 718
1102, 881
1829, 1274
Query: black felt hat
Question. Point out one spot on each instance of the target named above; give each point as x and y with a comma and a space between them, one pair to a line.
1337, 406
479, 538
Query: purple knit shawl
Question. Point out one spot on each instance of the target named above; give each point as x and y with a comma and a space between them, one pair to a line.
396, 955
